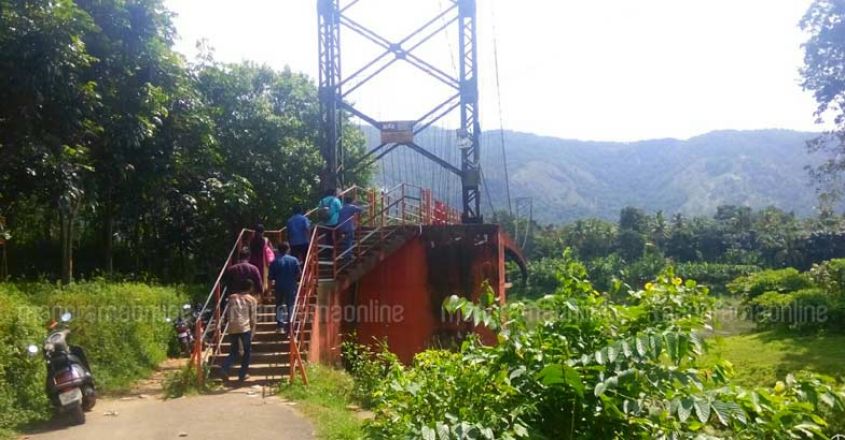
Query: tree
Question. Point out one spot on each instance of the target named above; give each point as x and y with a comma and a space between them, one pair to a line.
135, 70
824, 75
46, 120
634, 219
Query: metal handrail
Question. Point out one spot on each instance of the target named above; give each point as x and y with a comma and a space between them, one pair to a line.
400, 205
216, 289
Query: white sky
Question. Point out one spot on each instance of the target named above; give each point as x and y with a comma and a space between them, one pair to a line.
586, 69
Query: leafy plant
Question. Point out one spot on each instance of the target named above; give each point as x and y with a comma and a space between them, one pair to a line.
781, 280
185, 382
368, 367
593, 368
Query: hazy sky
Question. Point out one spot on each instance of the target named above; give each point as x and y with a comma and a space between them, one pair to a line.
586, 69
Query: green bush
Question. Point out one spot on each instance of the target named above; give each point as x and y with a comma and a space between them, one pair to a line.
781, 280
805, 309
368, 367
716, 276
594, 369
542, 279
22, 377
830, 275
185, 382
121, 326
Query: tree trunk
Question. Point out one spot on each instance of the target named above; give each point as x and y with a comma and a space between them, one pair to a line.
4, 269
136, 246
108, 234
66, 237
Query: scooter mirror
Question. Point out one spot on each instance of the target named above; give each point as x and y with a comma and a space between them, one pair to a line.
66, 317
186, 307
32, 350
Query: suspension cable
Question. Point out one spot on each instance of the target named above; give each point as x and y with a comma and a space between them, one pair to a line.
501, 118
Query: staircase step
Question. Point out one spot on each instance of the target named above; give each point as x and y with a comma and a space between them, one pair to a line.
271, 336
271, 346
270, 326
259, 359
277, 371
262, 347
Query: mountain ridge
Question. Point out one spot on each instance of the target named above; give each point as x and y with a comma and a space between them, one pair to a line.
570, 179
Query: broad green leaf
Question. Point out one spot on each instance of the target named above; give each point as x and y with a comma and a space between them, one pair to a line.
810, 430
612, 353
551, 375
642, 345
722, 413
600, 388
573, 379
517, 372
626, 349
442, 431
828, 399
702, 410
672, 346
428, 433
656, 343
685, 409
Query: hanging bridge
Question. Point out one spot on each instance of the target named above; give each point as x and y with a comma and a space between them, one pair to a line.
420, 237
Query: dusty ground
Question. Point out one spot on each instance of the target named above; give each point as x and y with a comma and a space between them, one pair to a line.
249, 412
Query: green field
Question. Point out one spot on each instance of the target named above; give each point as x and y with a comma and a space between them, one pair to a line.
763, 358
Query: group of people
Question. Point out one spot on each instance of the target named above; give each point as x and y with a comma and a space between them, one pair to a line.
282, 266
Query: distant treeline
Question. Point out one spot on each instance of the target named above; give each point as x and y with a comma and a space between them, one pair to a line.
734, 241
117, 155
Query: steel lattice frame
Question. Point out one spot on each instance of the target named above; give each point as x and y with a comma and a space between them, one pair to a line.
334, 88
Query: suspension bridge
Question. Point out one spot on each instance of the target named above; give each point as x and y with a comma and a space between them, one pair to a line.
421, 235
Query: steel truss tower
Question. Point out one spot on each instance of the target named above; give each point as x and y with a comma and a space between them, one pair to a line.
334, 88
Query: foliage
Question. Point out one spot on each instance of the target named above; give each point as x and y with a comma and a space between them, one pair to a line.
782, 280
716, 276
116, 155
787, 298
830, 275
326, 400
593, 369
185, 382
824, 56
121, 326
367, 367
542, 278
22, 377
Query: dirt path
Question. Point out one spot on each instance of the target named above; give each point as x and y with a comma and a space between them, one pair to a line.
241, 413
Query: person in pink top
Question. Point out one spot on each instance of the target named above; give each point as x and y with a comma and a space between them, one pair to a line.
260, 253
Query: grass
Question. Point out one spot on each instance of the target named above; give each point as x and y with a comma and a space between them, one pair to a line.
761, 359
325, 401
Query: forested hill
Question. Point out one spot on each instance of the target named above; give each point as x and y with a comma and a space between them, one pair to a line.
571, 179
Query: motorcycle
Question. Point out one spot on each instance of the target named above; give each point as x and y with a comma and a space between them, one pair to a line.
70, 384
184, 327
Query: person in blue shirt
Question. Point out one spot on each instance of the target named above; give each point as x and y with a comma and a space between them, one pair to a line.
299, 233
284, 273
328, 213
347, 222
332, 205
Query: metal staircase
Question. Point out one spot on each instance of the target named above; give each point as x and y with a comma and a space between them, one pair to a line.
387, 221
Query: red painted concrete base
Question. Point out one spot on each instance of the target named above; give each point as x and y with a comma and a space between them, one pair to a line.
400, 301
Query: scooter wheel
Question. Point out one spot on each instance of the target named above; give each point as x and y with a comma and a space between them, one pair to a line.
77, 415
187, 348
89, 398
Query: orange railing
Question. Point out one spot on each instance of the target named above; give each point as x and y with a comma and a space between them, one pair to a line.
401, 205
